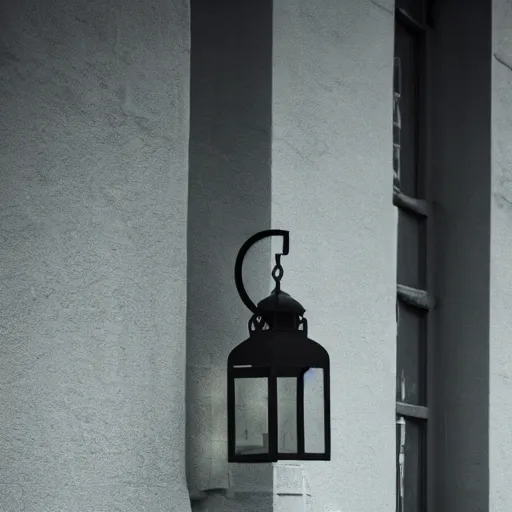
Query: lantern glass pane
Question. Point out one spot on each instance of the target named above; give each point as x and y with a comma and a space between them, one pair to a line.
251, 416
314, 411
287, 414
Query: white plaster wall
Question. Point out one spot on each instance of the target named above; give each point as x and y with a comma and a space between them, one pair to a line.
500, 402
93, 210
332, 188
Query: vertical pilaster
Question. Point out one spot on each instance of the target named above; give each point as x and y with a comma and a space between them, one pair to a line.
332, 183
500, 389
460, 127
229, 201
93, 212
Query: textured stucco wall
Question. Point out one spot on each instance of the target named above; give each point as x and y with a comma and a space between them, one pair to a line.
93, 201
500, 414
332, 188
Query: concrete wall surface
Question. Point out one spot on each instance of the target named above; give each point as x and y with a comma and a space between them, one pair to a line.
291, 109
500, 402
93, 211
332, 188
326, 86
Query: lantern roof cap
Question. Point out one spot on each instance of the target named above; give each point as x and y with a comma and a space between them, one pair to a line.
282, 302
282, 349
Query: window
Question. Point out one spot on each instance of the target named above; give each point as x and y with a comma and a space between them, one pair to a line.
414, 299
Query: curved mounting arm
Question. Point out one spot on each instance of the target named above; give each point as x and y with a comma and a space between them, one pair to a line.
240, 260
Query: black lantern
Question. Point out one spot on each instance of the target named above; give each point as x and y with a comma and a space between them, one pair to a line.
278, 379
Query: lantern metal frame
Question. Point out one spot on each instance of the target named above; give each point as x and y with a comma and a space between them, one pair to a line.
278, 346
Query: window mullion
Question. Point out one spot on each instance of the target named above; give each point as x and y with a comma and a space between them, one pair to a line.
412, 411
420, 207
415, 297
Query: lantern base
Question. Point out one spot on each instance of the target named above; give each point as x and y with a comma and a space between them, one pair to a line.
256, 458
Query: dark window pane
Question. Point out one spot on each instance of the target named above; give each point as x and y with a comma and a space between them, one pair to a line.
412, 250
411, 355
406, 108
411, 465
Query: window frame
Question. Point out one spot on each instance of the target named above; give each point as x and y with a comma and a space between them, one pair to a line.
420, 298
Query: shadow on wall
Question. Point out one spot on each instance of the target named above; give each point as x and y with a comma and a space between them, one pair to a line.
229, 200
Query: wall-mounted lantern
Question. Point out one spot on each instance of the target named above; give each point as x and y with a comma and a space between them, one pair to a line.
278, 379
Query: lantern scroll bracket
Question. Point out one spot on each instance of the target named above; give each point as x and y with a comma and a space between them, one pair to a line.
240, 260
